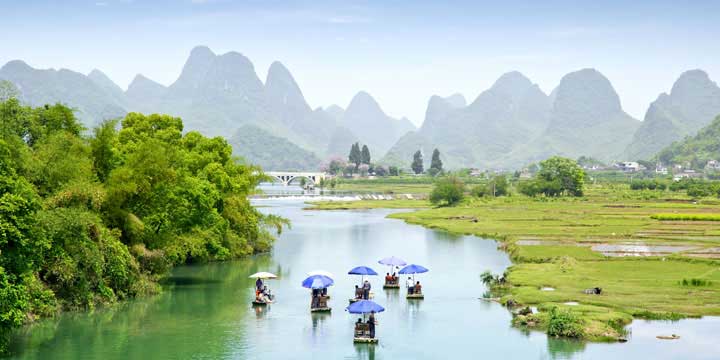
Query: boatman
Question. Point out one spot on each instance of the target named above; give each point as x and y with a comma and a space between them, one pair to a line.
410, 286
371, 324
366, 290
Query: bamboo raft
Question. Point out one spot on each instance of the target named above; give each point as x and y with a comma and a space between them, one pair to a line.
415, 296
259, 303
365, 340
391, 286
321, 309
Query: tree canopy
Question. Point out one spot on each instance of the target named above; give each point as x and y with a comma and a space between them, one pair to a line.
355, 156
365, 155
435, 162
557, 176
417, 163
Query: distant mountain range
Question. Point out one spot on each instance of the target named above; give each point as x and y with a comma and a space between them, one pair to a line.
222, 95
270, 123
693, 103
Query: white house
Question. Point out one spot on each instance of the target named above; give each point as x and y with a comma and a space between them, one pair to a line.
629, 166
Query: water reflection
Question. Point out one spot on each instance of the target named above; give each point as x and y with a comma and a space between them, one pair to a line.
564, 348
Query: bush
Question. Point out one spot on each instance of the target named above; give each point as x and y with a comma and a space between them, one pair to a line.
564, 323
702, 189
649, 184
447, 191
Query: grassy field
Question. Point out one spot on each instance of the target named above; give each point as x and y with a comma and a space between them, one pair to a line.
565, 244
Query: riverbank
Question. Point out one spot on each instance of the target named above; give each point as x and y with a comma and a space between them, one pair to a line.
646, 268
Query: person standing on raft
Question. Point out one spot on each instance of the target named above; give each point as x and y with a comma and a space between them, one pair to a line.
371, 324
366, 290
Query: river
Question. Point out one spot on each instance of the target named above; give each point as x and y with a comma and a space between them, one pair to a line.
205, 312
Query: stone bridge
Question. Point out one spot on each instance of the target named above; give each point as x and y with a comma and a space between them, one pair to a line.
285, 177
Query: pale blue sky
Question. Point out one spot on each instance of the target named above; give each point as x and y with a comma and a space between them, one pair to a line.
402, 52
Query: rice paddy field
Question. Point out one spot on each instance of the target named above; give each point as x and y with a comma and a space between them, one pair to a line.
654, 254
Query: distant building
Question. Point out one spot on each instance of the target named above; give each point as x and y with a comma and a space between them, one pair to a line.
476, 172
593, 167
526, 174
687, 174
629, 166
713, 165
659, 169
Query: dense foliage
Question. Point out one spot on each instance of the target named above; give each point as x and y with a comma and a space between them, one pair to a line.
557, 176
90, 220
447, 191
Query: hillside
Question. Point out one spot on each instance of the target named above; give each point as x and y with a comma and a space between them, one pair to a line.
258, 146
696, 150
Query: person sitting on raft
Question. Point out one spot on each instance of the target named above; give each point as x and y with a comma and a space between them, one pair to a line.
388, 278
410, 286
394, 277
418, 288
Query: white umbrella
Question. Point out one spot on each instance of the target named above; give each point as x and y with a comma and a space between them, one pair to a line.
321, 272
263, 275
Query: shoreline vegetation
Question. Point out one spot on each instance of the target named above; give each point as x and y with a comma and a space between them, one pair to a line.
653, 254
90, 218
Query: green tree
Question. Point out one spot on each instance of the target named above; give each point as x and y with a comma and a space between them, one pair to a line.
447, 191
435, 162
365, 155
557, 176
393, 171
355, 156
104, 149
417, 163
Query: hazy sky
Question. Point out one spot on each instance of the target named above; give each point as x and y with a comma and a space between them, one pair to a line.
401, 52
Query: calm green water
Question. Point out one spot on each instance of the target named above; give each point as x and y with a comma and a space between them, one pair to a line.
205, 311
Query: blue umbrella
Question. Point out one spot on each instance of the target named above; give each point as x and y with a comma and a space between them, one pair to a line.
364, 307
317, 282
392, 261
362, 270
413, 269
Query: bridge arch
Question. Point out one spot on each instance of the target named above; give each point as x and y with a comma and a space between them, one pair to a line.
286, 177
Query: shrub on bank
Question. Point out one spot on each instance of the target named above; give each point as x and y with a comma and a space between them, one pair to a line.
447, 191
